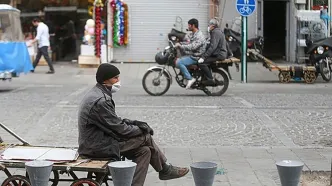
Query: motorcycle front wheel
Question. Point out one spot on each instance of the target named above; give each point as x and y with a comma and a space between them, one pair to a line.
156, 77
325, 71
222, 83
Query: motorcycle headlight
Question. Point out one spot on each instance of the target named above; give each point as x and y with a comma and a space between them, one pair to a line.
320, 50
173, 38
230, 38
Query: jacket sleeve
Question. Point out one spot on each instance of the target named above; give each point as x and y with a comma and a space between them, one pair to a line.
111, 123
214, 41
193, 45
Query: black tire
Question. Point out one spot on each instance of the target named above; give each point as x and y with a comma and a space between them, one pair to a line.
55, 180
90, 182
163, 74
326, 77
225, 87
18, 179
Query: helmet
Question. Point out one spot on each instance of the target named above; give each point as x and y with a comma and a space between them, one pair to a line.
162, 58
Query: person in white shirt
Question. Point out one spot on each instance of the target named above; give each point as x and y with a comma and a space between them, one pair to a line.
43, 39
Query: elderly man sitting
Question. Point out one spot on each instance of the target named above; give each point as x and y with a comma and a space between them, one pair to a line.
102, 134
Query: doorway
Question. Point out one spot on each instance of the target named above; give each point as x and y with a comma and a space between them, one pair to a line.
274, 28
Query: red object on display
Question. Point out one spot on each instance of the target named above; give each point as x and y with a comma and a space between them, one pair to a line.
97, 32
317, 7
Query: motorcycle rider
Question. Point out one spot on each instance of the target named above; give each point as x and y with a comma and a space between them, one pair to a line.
216, 50
192, 50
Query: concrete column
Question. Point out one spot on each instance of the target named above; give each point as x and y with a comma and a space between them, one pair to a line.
292, 30
330, 14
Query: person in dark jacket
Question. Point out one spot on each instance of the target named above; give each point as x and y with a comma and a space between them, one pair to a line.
104, 135
216, 50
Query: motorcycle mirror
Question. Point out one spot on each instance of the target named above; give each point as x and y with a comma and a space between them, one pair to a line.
226, 25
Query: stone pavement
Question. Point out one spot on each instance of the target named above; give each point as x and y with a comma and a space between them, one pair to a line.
245, 131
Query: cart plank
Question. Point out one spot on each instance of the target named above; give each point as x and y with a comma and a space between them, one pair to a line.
229, 60
92, 165
291, 68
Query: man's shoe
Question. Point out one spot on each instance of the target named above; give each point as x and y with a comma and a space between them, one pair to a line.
173, 173
50, 72
190, 83
32, 71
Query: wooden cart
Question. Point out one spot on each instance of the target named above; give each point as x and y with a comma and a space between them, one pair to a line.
286, 73
96, 171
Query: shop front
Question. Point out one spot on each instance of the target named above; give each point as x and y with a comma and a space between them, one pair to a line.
151, 21
147, 25
66, 20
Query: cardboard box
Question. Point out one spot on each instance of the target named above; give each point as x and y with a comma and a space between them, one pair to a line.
88, 61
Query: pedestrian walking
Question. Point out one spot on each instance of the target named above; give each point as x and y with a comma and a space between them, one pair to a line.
43, 39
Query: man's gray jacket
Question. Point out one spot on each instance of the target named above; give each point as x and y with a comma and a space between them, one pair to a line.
100, 129
217, 46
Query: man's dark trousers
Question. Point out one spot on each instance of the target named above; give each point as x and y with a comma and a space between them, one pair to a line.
205, 65
43, 51
144, 152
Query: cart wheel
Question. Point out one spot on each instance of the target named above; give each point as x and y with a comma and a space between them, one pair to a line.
309, 77
85, 182
284, 77
54, 180
16, 180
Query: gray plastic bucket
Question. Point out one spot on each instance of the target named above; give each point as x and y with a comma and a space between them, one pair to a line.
289, 172
204, 173
39, 172
122, 172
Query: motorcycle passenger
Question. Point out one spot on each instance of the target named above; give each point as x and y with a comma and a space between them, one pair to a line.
192, 50
216, 50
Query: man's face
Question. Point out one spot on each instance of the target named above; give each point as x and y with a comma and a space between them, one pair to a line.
34, 23
211, 27
190, 27
112, 81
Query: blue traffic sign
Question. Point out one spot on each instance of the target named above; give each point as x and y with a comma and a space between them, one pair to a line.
245, 7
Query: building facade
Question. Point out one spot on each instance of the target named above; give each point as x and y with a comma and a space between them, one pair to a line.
151, 21
276, 21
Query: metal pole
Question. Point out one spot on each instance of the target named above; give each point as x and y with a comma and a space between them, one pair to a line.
13, 134
244, 50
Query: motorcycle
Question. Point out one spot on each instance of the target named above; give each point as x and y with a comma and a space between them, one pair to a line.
320, 56
168, 57
234, 40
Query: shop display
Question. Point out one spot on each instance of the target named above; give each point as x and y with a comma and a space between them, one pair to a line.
98, 32
89, 32
119, 23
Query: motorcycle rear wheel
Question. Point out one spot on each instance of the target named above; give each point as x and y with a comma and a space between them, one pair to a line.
225, 80
325, 71
156, 82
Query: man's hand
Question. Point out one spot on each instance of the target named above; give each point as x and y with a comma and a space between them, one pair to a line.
201, 60
144, 127
128, 121
177, 45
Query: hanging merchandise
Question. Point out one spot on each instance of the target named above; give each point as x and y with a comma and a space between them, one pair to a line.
119, 23
98, 9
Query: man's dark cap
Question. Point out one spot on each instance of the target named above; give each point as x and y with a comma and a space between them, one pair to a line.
106, 71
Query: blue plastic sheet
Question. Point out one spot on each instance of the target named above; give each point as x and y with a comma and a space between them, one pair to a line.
14, 56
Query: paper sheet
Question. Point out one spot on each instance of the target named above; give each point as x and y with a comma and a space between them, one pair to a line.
39, 153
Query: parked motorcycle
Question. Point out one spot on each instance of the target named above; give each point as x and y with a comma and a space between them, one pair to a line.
320, 56
234, 40
167, 58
